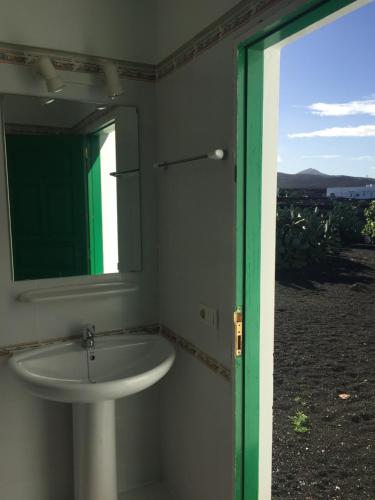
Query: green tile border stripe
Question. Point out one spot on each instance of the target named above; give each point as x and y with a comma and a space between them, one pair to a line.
200, 355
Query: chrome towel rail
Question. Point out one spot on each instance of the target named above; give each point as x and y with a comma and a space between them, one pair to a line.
124, 172
217, 154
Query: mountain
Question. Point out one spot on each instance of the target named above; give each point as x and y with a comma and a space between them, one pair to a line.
313, 179
311, 171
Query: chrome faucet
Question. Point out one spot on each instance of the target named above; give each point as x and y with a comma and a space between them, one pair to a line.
88, 334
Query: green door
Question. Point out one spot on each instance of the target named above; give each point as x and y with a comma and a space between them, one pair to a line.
47, 192
250, 135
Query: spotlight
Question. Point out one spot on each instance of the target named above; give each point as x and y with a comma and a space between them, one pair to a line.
49, 73
114, 86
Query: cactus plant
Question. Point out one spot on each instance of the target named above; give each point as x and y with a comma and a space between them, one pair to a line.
345, 217
304, 236
369, 229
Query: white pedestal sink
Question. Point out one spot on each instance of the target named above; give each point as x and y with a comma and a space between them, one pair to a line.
121, 365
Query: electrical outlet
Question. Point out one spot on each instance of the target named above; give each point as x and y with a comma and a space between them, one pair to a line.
209, 315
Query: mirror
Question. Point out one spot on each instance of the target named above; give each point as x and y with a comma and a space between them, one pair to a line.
71, 211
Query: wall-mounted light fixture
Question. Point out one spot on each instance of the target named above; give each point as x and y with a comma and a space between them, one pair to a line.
49, 73
113, 81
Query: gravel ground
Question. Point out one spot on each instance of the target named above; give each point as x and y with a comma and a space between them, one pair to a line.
325, 375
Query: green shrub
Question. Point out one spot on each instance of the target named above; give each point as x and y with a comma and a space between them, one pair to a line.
347, 223
369, 229
304, 236
300, 422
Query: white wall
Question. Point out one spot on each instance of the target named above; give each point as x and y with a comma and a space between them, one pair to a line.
178, 21
196, 432
36, 445
35, 435
195, 110
196, 113
122, 29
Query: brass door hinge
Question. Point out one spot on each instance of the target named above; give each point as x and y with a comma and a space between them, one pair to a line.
238, 332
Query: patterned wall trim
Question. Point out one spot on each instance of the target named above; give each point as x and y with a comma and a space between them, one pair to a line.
189, 347
241, 14
236, 18
65, 61
17, 128
10, 349
202, 356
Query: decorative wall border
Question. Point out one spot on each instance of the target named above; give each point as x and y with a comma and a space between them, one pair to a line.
10, 349
234, 19
20, 129
70, 61
202, 356
189, 347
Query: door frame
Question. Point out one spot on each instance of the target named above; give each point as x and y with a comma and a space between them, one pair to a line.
256, 175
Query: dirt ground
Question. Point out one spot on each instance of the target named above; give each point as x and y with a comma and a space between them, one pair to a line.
325, 369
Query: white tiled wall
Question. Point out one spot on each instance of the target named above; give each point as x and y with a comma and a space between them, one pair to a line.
35, 435
196, 432
36, 445
196, 205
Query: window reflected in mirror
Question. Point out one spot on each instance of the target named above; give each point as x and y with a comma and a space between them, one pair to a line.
102, 202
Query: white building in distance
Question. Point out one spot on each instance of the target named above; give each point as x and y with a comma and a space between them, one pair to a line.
356, 193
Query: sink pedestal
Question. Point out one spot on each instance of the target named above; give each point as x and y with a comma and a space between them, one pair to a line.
123, 365
95, 475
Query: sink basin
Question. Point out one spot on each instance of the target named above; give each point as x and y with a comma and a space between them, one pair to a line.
117, 366
122, 365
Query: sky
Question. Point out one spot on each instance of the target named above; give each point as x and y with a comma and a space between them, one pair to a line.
327, 98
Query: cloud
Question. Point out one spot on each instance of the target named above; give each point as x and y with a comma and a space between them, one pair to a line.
363, 158
360, 131
320, 157
365, 107
279, 159
334, 157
